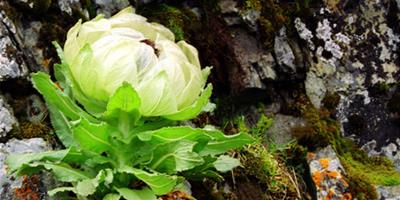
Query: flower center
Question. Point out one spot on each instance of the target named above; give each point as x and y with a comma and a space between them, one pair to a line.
151, 44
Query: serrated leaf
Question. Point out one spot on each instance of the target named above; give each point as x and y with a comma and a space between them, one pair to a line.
61, 126
88, 186
225, 163
159, 183
122, 109
194, 110
54, 96
174, 134
222, 143
175, 157
62, 171
143, 194
60, 189
92, 137
15, 161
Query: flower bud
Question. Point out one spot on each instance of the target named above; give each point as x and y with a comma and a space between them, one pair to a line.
103, 53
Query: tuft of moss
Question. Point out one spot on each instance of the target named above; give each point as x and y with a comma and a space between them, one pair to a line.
363, 172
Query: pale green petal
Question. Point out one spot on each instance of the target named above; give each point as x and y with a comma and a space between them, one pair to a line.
164, 32
91, 31
190, 52
193, 87
71, 47
123, 12
195, 109
156, 96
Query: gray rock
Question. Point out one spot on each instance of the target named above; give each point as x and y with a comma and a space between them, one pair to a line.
281, 130
283, 52
8, 183
109, 7
315, 89
255, 64
68, 5
7, 119
250, 17
12, 64
228, 6
388, 192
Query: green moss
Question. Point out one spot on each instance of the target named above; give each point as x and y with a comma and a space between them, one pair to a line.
252, 5
363, 172
263, 161
178, 19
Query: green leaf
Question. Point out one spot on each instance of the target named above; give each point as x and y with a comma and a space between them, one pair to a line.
174, 134
61, 189
112, 196
122, 109
59, 50
62, 171
143, 194
92, 137
54, 96
61, 126
222, 143
159, 183
88, 186
16, 161
225, 163
194, 110
175, 157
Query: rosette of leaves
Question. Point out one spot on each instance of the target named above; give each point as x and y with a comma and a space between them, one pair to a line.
122, 153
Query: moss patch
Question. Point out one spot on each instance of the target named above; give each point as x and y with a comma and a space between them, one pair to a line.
363, 172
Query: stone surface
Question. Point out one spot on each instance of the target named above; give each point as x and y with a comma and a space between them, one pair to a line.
109, 7
280, 132
353, 51
8, 184
283, 52
256, 65
328, 174
388, 192
68, 5
7, 119
12, 64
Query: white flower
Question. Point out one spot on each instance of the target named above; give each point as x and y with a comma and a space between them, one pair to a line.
104, 53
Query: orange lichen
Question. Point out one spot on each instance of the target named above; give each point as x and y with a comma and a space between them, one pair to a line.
347, 196
333, 174
29, 189
310, 155
345, 184
330, 195
324, 162
318, 177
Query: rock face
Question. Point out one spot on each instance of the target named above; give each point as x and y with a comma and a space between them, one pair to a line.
7, 119
354, 51
260, 56
12, 64
12, 187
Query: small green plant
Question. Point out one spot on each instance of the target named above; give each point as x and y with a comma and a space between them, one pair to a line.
129, 147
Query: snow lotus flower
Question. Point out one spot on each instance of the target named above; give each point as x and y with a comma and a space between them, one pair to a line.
102, 54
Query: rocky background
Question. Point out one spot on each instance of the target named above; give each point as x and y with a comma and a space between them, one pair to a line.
316, 81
